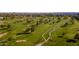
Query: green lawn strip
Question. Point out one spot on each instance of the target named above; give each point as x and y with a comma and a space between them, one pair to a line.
70, 31
36, 35
57, 32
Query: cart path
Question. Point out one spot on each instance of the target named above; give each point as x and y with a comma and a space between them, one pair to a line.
56, 27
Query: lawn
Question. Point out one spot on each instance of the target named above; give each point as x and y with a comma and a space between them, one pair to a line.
63, 26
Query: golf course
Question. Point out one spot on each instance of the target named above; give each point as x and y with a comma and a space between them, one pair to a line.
39, 30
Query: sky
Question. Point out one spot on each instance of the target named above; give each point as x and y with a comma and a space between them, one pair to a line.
39, 6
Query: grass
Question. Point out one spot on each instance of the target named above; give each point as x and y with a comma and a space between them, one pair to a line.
36, 35
58, 38
70, 31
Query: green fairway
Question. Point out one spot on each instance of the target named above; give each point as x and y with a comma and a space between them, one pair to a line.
39, 30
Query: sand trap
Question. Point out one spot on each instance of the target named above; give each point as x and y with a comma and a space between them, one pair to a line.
3, 34
20, 41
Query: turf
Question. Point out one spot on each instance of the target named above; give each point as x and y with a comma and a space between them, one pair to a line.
64, 30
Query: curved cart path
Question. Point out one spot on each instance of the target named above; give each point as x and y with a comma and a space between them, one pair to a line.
49, 31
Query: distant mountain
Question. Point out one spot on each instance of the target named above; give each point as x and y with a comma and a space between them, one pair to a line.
48, 13
66, 13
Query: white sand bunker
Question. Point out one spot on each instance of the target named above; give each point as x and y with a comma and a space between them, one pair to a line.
3, 34
20, 41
